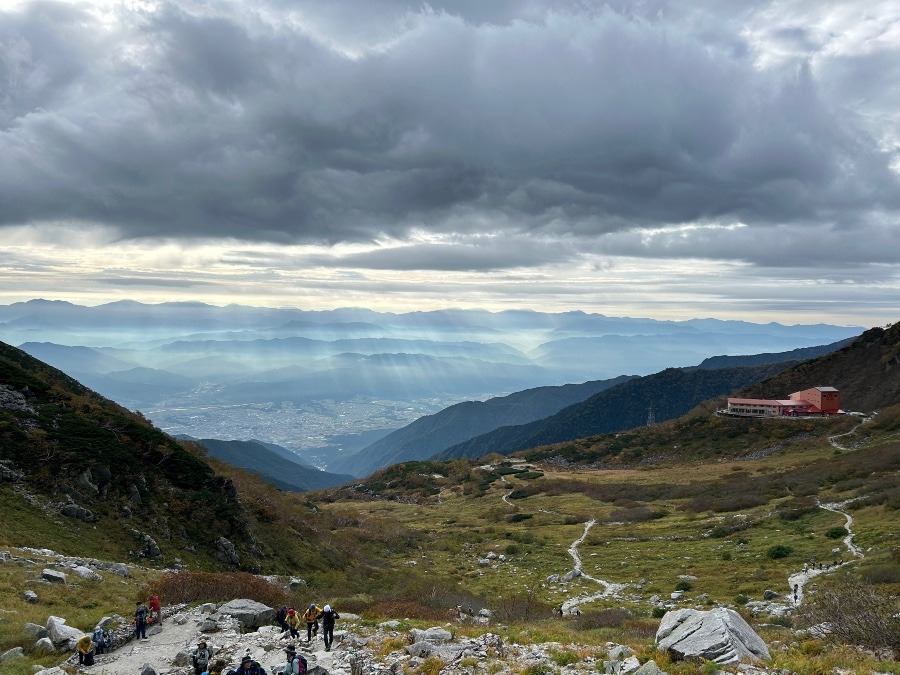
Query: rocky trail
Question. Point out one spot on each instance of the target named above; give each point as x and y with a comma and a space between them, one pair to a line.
570, 606
799, 579
168, 645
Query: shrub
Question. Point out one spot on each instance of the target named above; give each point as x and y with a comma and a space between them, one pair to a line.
856, 613
518, 517
658, 612
779, 551
888, 573
214, 586
683, 586
836, 533
605, 618
511, 549
564, 657
741, 599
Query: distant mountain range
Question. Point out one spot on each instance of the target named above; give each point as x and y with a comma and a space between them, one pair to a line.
536, 416
664, 396
432, 433
170, 358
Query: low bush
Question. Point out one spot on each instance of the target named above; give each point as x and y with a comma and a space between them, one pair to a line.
683, 586
605, 618
658, 612
856, 613
887, 573
518, 517
836, 533
214, 587
779, 551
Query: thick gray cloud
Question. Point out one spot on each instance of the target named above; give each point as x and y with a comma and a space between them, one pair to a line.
351, 122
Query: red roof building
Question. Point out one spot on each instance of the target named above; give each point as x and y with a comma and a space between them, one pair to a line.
815, 401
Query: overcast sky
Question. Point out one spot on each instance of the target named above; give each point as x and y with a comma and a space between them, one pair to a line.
656, 158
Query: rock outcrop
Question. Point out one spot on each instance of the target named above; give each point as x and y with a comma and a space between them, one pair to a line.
719, 635
250, 613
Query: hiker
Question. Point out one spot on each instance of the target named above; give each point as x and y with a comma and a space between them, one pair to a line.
155, 609
85, 649
102, 640
250, 667
293, 623
140, 621
218, 667
311, 616
281, 616
329, 616
296, 663
796, 590
200, 657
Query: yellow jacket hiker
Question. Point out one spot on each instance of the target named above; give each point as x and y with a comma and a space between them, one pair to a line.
311, 616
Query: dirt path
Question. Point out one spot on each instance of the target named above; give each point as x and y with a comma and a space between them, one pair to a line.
165, 642
609, 588
798, 580
833, 439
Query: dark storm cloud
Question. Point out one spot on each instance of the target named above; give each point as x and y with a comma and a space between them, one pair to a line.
339, 122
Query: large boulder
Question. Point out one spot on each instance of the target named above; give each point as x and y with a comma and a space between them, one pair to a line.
60, 633
44, 646
87, 573
433, 635
719, 635
53, 576
250, 613
10, 654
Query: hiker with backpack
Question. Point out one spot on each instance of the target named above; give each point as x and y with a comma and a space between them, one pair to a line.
329, 616
296, 663
292, 621
200, 657
102, 640
140, 621
155, 609
85, 649
250, 667
281, 616
311, 616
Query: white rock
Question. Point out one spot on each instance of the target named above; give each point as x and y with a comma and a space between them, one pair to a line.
10, 654
60, 633
53, 576
719, 635
87, 573
44, 646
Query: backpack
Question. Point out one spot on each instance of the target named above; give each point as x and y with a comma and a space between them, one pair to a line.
97, 637
301, 664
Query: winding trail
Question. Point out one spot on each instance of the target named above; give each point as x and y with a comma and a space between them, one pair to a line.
609, 588
833, 439
799, 579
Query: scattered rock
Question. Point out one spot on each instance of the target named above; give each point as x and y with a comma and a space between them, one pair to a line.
56, 670
226, 552
434, 635
60, 633
572, 574
35, 631
719, 635
30, 596
53, 576
119, 568
393, 624
769, 594
149, 669
649, 668
44, 646
250, 613
87, 573
10, 654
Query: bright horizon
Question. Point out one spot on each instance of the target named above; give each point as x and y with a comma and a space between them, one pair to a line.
669, 160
